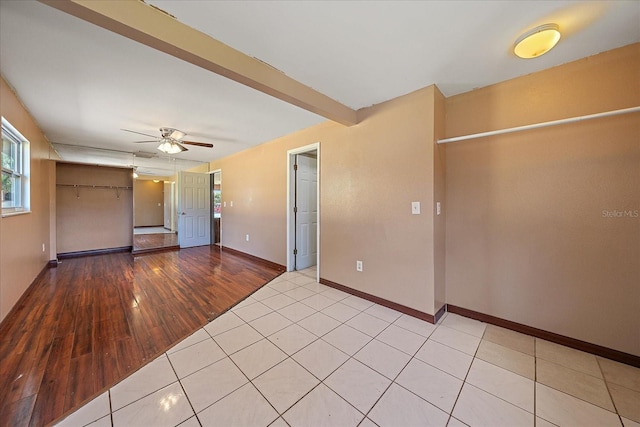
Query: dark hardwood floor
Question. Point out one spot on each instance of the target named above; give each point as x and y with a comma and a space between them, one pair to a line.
90, 322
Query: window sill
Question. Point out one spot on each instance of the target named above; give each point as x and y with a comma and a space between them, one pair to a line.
15, 213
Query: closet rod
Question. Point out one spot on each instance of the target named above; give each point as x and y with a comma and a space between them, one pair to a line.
540, 125
94, 186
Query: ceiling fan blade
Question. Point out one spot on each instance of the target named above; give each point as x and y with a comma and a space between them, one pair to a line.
138, 142
199, 144
182, 147
140, 133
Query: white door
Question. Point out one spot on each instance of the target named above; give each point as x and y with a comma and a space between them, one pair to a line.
194, 224
306, 211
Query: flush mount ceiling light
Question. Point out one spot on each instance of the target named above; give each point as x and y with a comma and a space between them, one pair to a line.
537, 42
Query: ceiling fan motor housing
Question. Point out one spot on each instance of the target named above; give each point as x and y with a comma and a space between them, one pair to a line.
166, 132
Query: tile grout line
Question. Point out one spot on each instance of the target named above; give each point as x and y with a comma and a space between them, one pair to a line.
183, 390
464, 381
606, 384
580, 398
110, 408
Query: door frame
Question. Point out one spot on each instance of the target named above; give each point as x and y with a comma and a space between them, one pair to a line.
291, 224
212, 173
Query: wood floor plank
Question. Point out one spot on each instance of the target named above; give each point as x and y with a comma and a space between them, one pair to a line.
87, 324
81, 384
52, 393
17, 413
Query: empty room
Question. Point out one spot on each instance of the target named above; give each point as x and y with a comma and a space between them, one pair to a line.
320, 213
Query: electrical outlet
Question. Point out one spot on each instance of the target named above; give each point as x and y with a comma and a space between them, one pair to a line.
247, 237
358, 265
224, 204
438, 210
232, 203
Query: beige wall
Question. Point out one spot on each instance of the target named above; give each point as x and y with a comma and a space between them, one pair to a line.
526, 237
148, 203
369, 175
97, 219
22, 236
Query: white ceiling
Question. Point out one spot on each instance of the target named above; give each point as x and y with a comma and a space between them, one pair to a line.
83, 83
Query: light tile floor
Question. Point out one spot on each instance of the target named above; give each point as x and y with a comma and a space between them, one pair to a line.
298, 353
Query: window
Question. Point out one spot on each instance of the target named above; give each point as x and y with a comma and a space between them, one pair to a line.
15, 170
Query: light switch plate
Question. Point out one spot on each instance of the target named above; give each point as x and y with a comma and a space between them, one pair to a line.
438, 208
415, 208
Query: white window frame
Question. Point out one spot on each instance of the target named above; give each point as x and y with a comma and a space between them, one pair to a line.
19, 171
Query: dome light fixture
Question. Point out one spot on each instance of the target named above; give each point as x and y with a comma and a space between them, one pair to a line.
537, 41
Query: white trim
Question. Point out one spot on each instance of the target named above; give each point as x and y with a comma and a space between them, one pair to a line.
213, 182
540, 125
290, 156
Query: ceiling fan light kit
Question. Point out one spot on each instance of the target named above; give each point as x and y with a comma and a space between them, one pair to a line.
171, 140
171, 147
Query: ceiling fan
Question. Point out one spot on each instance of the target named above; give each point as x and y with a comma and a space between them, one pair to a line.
170, 140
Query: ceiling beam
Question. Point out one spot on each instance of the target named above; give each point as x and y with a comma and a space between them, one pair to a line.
145, 24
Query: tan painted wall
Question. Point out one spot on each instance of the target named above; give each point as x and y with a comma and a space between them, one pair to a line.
22, 236
148, 203
369, 175
526, 236
97, 219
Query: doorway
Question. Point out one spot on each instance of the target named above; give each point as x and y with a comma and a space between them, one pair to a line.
153, 216
303, 209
